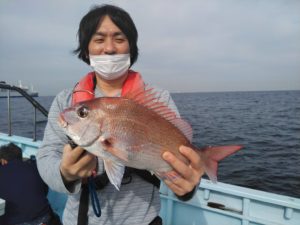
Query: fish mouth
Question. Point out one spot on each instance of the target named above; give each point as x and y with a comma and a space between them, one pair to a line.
77, 138
62, 122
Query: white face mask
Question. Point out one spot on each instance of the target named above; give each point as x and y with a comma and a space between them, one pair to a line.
110, 67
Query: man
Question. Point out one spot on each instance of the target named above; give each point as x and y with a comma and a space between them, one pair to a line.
107, 42
23, 190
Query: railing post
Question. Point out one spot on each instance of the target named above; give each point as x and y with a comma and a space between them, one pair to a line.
9, 112
34, 124
34, 103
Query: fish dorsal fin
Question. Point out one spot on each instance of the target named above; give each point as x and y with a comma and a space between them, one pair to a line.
150, 99
184, 127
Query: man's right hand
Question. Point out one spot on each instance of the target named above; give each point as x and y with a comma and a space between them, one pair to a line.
3, 162
76, 163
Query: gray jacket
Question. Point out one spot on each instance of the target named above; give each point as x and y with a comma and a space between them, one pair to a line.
136, 203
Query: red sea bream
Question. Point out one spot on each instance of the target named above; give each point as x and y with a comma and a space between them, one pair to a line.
135, 130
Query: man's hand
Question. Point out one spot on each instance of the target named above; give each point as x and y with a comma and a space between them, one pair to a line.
76, 163
3, 162
186, 177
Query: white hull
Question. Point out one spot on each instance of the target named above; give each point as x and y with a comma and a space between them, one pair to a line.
14, 94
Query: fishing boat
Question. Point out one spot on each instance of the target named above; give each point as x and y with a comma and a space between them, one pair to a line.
213, 204
13, 91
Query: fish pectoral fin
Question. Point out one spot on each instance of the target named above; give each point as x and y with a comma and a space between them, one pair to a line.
110, 144
123, 155
115, 172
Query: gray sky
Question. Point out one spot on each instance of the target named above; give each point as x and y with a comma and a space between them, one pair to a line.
195, 45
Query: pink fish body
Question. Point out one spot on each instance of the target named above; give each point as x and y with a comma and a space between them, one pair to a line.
134, 130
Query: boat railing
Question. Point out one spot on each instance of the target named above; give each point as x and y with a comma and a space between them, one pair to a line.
35, 104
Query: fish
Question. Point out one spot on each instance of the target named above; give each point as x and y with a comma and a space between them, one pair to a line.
135, 130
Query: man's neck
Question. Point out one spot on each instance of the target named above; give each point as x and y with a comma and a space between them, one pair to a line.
110, 87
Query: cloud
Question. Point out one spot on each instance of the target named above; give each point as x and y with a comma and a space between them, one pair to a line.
184, 45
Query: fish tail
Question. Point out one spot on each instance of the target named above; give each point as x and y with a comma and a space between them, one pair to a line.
211, 155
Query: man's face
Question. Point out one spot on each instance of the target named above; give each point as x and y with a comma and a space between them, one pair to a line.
108, 39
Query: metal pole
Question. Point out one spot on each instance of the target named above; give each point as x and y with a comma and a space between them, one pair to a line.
34, 125
9, 112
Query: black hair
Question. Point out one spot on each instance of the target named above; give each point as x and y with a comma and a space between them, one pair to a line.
89, 23
10, 152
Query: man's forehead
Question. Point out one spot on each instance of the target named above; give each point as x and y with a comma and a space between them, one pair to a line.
109, 33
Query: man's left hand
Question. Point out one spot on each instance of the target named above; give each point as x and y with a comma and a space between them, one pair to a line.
186, 177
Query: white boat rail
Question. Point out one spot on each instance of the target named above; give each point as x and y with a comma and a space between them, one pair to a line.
2, 207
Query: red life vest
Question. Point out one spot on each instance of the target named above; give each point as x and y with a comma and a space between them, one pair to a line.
85, 88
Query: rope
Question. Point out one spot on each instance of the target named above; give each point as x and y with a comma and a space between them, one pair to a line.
94, 198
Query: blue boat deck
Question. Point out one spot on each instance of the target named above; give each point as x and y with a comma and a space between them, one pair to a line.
213, 204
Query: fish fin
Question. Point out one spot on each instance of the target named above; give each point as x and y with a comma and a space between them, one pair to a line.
211, 155
169, 175
109, 145
123, 155
114, 172
184, 127
160, 175
150, 99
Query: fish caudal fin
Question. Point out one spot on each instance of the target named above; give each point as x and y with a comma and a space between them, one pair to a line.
212, 155
114, 172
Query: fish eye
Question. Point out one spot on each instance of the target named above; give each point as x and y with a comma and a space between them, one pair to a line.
82, 112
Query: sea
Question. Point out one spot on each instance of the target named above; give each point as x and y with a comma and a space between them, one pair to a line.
265, 123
